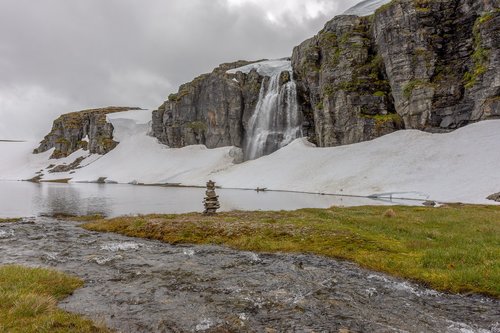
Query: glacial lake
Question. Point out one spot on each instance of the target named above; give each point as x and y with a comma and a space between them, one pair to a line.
23, 199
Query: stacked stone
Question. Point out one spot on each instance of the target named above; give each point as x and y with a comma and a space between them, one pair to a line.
211, 201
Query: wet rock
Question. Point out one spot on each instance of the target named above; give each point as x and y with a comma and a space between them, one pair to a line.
65, 168
494, 197
429, 203
101, 180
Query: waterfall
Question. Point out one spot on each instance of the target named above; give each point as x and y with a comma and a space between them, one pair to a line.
276, 120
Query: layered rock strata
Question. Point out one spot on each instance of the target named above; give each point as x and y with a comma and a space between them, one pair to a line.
87, 129
212, 110
415, 64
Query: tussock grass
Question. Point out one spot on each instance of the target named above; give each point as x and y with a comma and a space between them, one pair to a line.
28, 301
454, 248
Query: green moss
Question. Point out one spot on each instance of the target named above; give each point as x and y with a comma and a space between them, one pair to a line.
328, 90
62, 141
481, 55
58, 154
28, 301
10, 220
379, 94
412, 85
422, 54
197, 126
382, 9
422, 6
173, 97
327, 39
106, 143
382, 120
83, 145
488, 16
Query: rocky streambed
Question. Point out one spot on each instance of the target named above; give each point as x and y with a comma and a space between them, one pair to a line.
137, 285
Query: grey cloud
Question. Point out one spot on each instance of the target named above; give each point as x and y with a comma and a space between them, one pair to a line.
58, 56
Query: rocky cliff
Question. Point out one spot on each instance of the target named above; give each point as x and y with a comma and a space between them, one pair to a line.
417, 64
212, 110
87, 129
432, 65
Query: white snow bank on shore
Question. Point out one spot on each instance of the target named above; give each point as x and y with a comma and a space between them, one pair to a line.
459, 166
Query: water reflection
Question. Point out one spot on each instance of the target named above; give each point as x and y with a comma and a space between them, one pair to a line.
30, 199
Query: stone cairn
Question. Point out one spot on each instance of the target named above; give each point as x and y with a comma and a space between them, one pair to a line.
211, 201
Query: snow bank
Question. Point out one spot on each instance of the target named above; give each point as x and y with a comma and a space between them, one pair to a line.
366, 7
139, 158
459, 166
265, 68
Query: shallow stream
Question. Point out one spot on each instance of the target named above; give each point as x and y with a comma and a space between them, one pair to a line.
137, 285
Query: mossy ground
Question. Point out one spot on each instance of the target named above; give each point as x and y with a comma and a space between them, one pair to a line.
10, 220
454, 248
28, 301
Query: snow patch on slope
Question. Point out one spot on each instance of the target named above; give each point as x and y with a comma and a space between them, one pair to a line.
366, 7
266, 67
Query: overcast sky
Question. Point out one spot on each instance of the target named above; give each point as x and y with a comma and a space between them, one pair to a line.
58, 56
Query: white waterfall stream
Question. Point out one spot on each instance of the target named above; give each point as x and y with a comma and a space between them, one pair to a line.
276, 120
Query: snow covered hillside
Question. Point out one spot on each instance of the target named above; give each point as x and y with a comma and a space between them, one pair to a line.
459, 166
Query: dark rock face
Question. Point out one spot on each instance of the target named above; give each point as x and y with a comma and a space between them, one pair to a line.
419, 64
494, 197
69, 131
212, 110
342, 85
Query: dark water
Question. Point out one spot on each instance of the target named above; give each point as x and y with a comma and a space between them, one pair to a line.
18, 199
136, 285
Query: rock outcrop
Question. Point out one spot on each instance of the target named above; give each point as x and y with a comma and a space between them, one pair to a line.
212, 110
494, 197
87, 129
416, 64
342, 85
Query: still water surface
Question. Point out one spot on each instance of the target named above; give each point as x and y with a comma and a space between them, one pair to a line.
21, 199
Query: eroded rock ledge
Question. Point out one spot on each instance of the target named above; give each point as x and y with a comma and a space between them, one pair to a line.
87, 129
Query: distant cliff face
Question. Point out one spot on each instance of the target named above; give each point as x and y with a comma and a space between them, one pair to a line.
87, 129
212, 110
416, 64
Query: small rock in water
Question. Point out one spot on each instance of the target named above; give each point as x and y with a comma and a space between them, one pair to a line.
429, 203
